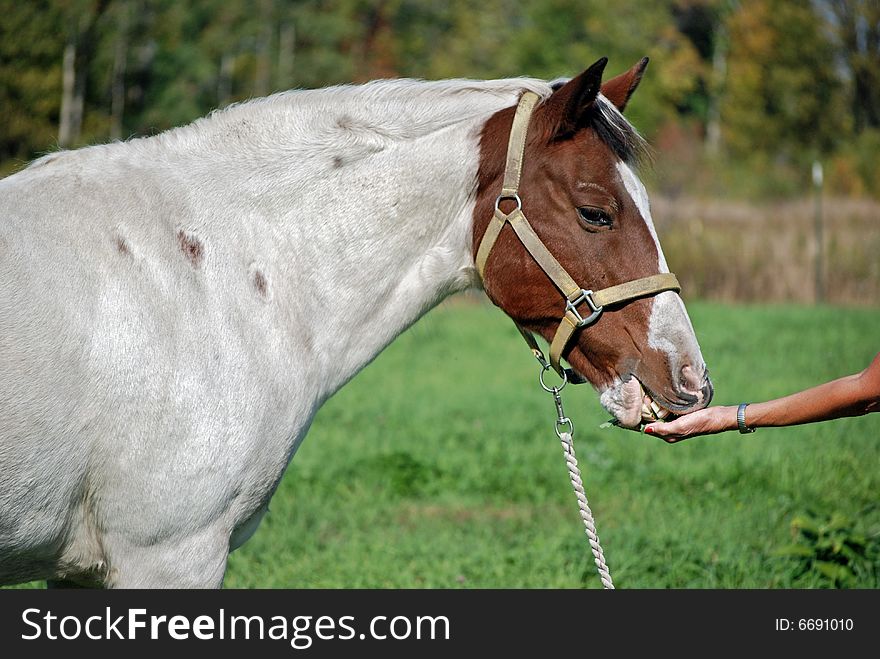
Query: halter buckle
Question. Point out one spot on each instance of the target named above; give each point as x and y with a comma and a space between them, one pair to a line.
572, 305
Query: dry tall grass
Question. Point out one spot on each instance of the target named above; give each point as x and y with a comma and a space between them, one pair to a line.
740, 251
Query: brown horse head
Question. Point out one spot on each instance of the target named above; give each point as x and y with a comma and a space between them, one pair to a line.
581, 195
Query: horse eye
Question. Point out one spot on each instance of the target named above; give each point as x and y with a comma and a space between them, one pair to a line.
595, 216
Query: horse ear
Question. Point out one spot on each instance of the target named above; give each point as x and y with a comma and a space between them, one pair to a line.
567, 107
620, 88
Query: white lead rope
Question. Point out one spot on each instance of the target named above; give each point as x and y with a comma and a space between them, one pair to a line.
565, 431
574, 473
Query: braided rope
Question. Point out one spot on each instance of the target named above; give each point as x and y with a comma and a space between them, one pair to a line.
586, 514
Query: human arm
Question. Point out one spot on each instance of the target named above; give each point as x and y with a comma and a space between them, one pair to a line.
852, 395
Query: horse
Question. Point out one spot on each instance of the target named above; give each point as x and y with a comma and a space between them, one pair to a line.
174, 309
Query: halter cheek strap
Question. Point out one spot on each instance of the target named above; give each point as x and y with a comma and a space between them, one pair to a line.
575, 295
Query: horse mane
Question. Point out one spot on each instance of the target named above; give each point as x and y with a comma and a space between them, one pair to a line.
386, 110
613, 129
368, 116
618, 133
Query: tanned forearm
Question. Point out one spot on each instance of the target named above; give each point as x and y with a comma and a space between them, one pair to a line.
852, 395
847, 396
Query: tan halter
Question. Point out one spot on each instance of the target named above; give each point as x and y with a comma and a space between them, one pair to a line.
575, 296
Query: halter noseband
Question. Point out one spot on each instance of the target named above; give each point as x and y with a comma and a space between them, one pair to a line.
575, 296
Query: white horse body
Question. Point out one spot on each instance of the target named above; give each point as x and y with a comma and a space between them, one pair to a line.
175, 309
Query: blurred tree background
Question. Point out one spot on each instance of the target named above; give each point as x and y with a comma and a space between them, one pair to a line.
741, 96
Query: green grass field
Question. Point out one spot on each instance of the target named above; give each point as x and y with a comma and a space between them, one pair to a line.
438, 467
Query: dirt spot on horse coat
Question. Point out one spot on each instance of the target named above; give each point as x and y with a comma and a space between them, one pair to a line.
191, 247
261, 284
122, 246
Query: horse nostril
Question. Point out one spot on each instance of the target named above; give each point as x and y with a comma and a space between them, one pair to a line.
708, 390
696, 382
690, 380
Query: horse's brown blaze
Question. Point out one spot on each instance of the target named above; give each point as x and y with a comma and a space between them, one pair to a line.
559, 175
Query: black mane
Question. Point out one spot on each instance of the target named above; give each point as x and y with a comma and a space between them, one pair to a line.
620, 136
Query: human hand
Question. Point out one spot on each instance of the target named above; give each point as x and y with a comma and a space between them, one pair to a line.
707, 421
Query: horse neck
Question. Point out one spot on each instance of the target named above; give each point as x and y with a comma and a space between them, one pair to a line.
390, 241
374, 230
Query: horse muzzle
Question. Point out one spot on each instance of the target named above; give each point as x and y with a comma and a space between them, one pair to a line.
633, 403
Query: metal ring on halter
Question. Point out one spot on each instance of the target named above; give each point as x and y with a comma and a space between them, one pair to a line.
553, 390
513, 196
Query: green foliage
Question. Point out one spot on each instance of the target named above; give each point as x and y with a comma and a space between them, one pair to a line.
30, 79
855, 169
782, 92
831, 549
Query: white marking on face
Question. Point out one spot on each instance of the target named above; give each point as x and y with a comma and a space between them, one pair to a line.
640, 196
669, 329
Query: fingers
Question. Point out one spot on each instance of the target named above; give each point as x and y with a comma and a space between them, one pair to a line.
683, 427
702, 422
665, 428
669, 432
